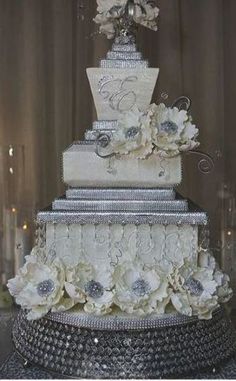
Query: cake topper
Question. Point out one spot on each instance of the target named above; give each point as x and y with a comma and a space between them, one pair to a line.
121, 17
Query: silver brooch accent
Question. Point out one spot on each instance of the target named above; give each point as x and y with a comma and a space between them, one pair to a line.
94, 289
194, 286
46, 287
169, 127
141, 287
132, 132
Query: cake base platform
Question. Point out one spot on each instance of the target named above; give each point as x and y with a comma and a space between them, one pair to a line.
173, 347
13, 368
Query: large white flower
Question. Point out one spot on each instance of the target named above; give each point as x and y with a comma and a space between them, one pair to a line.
86, 284
38, 287
140, 291
146, 14
112, 7
109, 11
112, 18
133, 135
194, 291
224, 292
172, 130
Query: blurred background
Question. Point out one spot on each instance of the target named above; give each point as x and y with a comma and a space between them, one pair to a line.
45, 104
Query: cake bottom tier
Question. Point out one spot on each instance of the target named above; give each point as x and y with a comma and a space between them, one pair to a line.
167, 348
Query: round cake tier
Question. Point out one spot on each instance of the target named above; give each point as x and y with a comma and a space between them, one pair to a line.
167, 347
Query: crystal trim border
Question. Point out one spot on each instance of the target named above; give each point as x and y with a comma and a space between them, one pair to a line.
121, 193
117, 323
165, 218
120, 205
121, 64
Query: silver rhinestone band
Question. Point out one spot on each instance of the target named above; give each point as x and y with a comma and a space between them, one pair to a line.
124, 55
121, 194
120, 206
105, 125
165, 218
124, 64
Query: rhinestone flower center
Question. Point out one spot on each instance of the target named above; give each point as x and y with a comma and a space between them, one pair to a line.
94, 289
46, 287
141, 287
194, 286
132, 132
169, 127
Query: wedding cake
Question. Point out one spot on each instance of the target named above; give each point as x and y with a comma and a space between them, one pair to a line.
120, 283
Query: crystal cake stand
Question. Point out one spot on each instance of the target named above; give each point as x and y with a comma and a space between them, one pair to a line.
116, 347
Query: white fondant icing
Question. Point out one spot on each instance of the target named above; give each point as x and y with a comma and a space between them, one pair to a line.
82, 167
110, 245
115, 91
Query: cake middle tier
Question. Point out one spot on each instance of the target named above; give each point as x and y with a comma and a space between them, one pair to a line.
109, 245
82, 167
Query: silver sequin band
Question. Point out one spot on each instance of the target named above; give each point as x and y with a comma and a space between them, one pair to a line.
124, 47
105, 125
165, 218
121, 194
124, 64
119, 322
124, 55
120, 206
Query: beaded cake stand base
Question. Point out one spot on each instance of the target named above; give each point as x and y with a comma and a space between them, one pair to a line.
167, 348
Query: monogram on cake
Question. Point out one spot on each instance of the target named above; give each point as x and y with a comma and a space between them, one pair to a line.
119, 261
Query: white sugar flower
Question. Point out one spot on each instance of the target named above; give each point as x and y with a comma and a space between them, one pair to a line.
194, 291
224, 292
86, 284
139, 290
133, 135
188, 137
111, 6
146, 14
167, 126
112, 15
106, 27
109, 11
172, 130
38, 286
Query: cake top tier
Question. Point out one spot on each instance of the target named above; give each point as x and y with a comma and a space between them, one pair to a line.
121, 17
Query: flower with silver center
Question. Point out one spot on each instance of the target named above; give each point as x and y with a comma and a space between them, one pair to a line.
45, 287
168, 127
94, 289
132, 132
141, 287
194, 286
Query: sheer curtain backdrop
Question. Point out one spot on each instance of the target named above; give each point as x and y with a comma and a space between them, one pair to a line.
45, 101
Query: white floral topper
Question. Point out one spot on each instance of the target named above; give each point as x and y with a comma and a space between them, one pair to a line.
161, 130
112, 15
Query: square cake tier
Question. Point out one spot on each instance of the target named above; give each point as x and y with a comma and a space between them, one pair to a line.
82, 167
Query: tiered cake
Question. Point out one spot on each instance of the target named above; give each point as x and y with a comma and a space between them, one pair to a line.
118, 284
